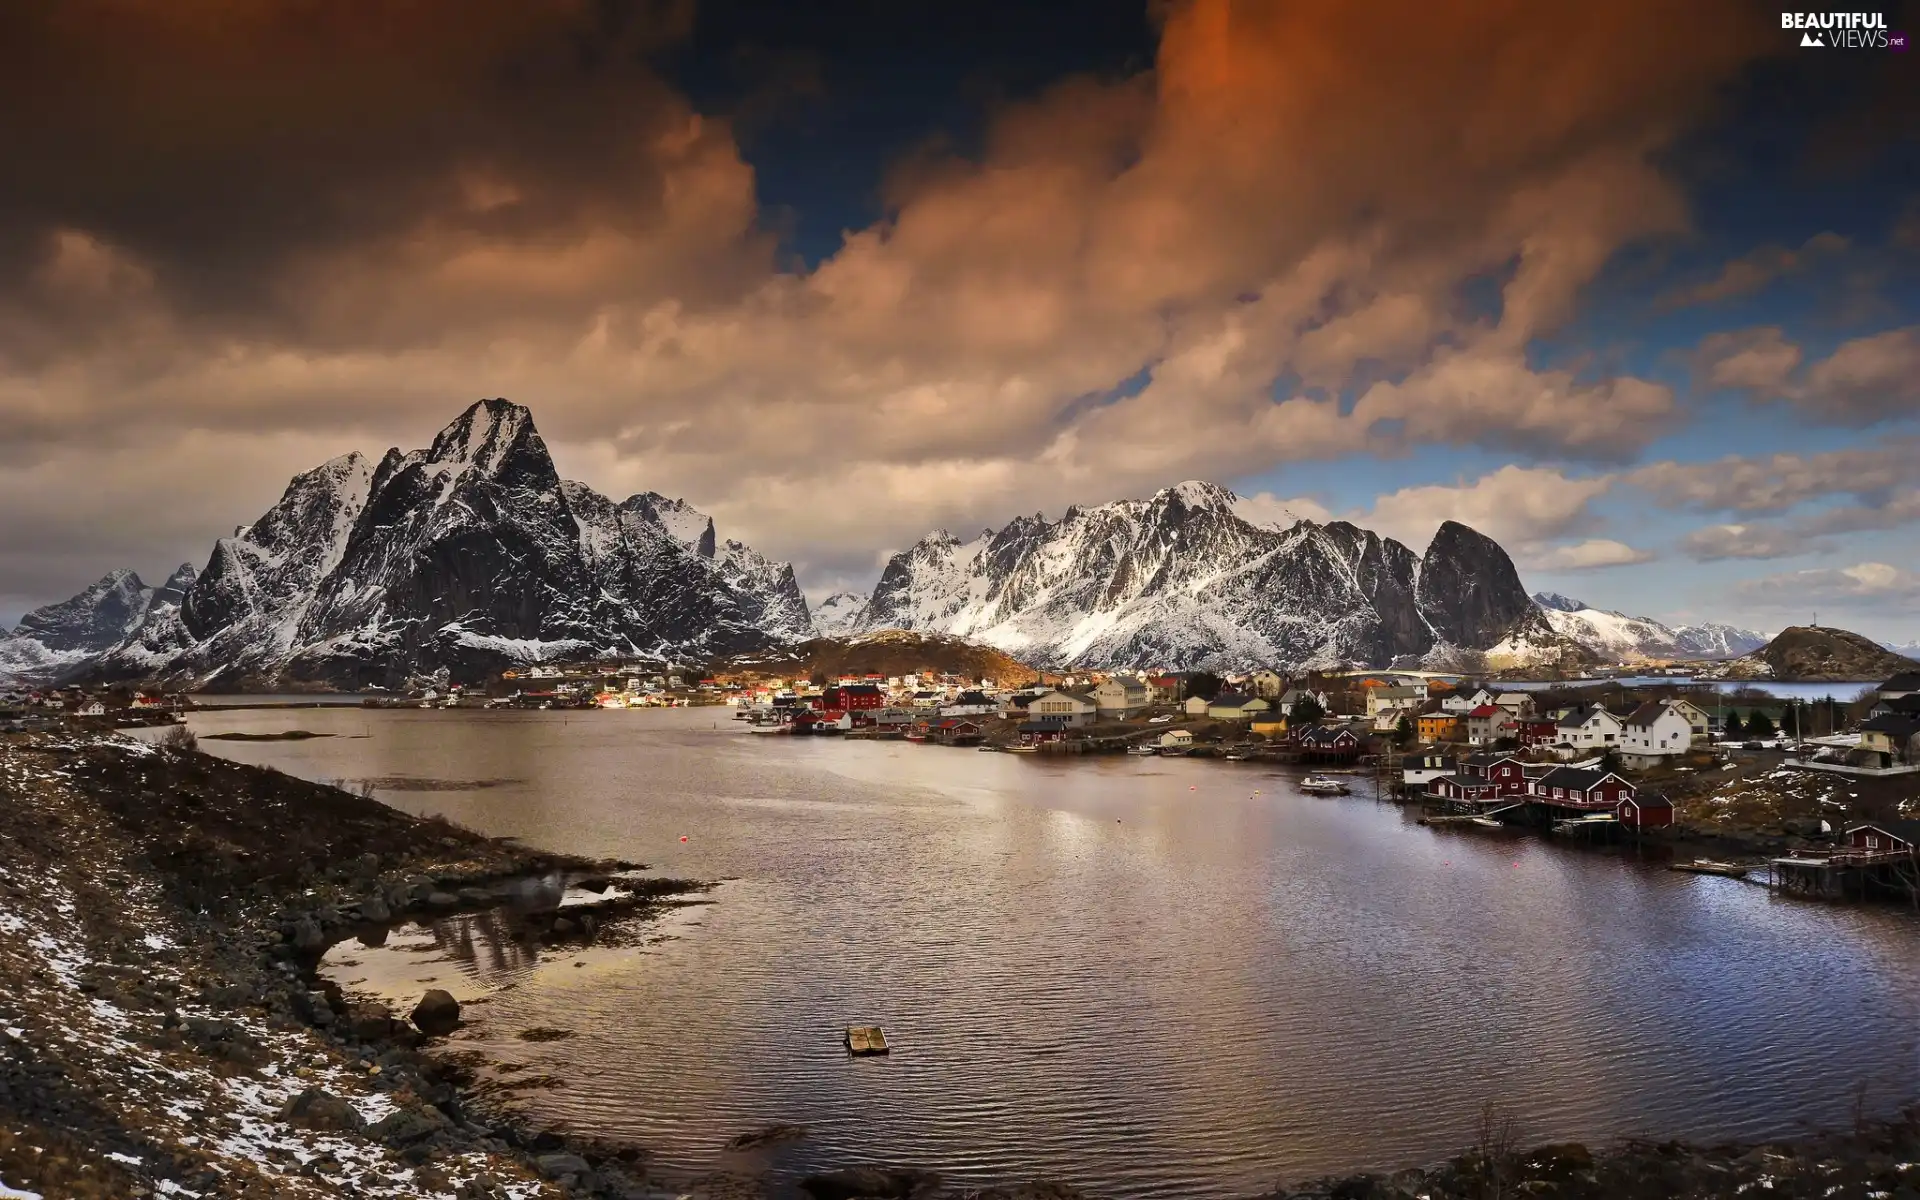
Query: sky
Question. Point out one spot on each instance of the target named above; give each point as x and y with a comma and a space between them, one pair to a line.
1632, 287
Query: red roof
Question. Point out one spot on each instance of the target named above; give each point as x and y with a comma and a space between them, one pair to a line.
1487, 710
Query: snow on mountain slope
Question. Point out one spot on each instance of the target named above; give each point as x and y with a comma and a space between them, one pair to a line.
838, 614
56, 639
1620, 638
465, 557
1183, 579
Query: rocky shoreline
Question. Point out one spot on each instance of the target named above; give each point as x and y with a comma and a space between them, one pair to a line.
164, 1032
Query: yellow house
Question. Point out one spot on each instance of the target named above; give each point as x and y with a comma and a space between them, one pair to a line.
1439, 726
1276, 727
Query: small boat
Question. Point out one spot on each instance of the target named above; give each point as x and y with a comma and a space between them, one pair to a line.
1320, 785
1143, 751
1234, 757
988, 748
866, 1039
1706, 866
1486, 822
1023, 749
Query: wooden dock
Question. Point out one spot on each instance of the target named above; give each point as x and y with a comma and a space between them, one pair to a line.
1706, 866
863, 1040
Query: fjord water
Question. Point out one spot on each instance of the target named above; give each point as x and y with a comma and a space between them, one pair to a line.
1145, 977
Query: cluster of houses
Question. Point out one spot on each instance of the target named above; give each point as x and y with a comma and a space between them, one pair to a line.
33, 711
1491, 782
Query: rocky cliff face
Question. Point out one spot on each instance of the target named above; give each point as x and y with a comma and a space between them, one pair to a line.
468, 556
1183, 578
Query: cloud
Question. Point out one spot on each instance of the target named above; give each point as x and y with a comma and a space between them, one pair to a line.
1864, 381
1590, 555
1515, 506
1716, 542
1774, 483
1864, 585
1753, 271
299, 222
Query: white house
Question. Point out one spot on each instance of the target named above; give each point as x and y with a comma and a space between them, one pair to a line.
1696, 718
1418, 770
1590, 728
970, 704
1394, 697
1119, 698
1196, 706
1464, 702
1069, 708
1176, 737
1267, 684
1519, 705
92, 708
1654, 733
1293, 696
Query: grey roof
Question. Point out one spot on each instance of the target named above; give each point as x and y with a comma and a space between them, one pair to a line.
1894, 724
1576, 718
1577, 778
1905, 681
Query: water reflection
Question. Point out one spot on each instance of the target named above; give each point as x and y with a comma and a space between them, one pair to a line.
1151, 978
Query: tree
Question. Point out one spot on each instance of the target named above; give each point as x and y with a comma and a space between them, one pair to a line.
1790, 721
1610, 759
1306, 710
1733, 728
1204, 684
1403, 733
1759, 725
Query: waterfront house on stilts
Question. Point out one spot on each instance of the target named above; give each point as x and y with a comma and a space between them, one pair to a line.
1879, 859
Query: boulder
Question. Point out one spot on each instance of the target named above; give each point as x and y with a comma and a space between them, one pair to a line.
565, 927
406, 1126
307, 937
442, 900
437, 1014
318, 1109
369, 1022
375, 909
475, 896
559, 1166
312, 1007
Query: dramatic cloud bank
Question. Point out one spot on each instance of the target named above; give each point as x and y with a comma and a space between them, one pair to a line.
299, 225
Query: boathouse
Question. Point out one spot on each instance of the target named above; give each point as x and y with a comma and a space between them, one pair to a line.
1041, 730
1645, 810
955, 731
1575, 787
1328, 741
852, 697
1507, 774
1894, 838
1463, 787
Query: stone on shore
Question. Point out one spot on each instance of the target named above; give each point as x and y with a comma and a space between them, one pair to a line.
870, 1183
319, 1109
437, 1014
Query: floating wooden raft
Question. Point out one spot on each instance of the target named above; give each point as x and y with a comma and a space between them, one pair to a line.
1704, 866
866, 1039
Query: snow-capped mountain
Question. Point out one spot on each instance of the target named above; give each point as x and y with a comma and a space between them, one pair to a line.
1619, 638
53, 640
468, 556
838, 614
1907, 649
1183, 579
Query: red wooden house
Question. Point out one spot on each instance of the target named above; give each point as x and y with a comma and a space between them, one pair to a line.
1896, 837
1327, 741
1645, 810
853, 697
1539, 733
955, 731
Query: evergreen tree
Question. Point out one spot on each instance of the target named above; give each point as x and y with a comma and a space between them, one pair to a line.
1403, 733
1733, 728
1305, 712
1759, 725
1204, 684
1790, 721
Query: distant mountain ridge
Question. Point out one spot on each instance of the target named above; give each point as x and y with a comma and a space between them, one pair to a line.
53, 640
1618, 637
1184, 579
463, 558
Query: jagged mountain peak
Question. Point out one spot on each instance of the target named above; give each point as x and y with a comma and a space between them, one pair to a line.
685, 523
1558, 602
464, 557
1182, 578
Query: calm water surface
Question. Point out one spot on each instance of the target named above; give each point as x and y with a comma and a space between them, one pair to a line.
1150, 978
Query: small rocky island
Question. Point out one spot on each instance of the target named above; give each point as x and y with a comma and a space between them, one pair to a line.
163, 1031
